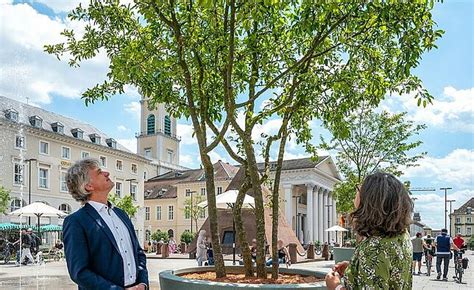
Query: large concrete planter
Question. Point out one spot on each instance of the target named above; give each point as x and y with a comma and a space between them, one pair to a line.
170, 280
343, 254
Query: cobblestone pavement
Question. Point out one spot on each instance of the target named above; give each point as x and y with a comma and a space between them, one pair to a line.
54, 275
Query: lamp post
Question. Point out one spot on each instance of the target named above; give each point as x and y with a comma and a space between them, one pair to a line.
29, 183
450, 209
130, 187
329, 222
445, 204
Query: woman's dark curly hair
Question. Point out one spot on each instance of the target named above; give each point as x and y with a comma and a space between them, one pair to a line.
385, 207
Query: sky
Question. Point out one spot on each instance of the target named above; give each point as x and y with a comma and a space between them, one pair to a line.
30, 75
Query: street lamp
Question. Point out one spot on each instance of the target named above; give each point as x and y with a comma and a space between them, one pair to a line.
130, 187
29, 183
450, 209
445, 204
329, 222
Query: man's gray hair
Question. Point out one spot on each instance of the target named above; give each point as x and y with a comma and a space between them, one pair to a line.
78, 176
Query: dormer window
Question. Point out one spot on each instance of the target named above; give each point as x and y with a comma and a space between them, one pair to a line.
77, 133
12, 115
58, 127
111, 143
36, 121
95, 138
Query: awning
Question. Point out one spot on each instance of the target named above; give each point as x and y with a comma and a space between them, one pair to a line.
51, 228
9, 227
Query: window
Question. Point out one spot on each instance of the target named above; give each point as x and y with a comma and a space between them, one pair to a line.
170, 155
103, 161
147, 213
170, 212
57, 127
118, 189
458, 220
219, 190
18, 174
202, 213
133, 191
16, 204
150, 125
77, 133
12, 115
167, 125
187, 212
134, 168
111, 143
43, 178
63, 184
468, 231
119, 165
203, 191
95, 138
158, 213
65, 152
188, 192
458, 230
468, 220
148, 152
36, 121
44, 147
144, 175
228, 237
19, 142
66, 208
85, 154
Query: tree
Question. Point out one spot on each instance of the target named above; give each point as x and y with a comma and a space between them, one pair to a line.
159, 235
125, 203
192, 210
216, 61
4, 200
366, 142
186, 237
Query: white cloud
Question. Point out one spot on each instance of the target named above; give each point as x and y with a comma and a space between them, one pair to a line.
455, 168
134, 109
132, 92
27, 71
62, 5
188, 160
185, 131
454, 110
122, 128
130, 144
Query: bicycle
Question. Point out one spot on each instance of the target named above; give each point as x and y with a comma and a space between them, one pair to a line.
429, 261
458, 267
8, 252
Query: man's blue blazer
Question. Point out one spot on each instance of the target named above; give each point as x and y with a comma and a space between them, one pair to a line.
92, 255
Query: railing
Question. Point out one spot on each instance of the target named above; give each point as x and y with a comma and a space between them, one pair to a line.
158, 132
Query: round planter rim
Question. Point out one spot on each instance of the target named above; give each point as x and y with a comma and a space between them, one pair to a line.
174, 275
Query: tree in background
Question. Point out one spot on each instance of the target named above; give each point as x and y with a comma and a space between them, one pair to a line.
4, 200
367, 141
192, 210
159, 235
125, 203
232, 65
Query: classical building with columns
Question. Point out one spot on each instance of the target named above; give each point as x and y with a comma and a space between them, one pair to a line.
306, 191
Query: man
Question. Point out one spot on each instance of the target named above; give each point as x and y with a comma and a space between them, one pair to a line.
418, 246
101, 247
444, 244
26, 242
458, 241
35, 241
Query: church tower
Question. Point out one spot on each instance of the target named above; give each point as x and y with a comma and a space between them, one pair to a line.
157, 139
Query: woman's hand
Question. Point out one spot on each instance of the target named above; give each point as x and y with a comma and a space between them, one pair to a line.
341, 267
332, 280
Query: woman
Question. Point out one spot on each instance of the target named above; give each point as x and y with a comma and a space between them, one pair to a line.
201, 247
282, 254
382, 258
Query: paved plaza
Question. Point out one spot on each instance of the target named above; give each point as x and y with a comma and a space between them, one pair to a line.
54, 275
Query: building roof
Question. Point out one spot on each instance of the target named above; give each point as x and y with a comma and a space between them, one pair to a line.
26, 111
293, 164
164, 186
463, 208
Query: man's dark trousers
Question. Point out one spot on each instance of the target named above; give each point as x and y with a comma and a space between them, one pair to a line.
445, 259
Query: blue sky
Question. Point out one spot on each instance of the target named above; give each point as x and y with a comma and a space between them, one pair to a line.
447, 72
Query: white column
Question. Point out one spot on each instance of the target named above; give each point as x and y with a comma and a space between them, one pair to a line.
309, 212
320, 215
334, 215
325, 215
315, 211
289, 201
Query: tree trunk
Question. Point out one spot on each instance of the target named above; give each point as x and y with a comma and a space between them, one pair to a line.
212, 209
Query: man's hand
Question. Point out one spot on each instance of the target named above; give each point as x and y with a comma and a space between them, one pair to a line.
341, 267
137, 287
332, 280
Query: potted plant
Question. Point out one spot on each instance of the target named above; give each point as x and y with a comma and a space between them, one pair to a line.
185, 239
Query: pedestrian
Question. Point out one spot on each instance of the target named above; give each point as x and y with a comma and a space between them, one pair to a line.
383, 255
26, 242
201, 247
443, 243
418, 246
283, 255
101, 247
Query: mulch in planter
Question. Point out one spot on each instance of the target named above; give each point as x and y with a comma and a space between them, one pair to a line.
240, 278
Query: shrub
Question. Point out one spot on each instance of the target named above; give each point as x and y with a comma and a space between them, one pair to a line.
158, 235
187, 237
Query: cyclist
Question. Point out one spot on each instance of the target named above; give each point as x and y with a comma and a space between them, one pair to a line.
444, 243
429, 253
458, 241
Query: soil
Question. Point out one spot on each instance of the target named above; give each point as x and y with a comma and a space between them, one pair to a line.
240, 278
